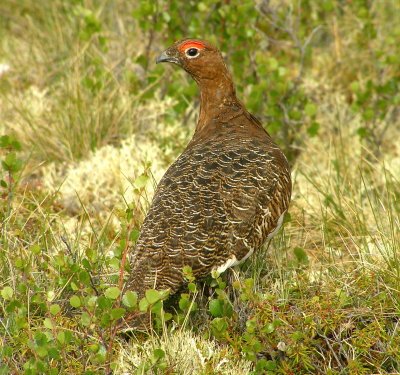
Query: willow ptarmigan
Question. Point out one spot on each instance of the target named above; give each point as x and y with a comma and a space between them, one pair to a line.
224, 196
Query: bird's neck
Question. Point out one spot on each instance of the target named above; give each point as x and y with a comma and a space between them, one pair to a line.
216, 97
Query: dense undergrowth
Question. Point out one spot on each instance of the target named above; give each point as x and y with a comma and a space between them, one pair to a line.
88, 124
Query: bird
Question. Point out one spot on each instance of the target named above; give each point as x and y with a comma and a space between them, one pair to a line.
224, 196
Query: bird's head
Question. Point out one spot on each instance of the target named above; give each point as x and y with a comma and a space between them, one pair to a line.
198, 57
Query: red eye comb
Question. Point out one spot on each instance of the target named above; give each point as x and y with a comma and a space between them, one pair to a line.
187, 45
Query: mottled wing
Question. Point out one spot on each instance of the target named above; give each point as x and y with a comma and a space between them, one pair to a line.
256, 195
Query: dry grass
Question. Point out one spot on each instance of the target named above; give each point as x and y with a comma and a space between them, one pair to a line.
186, 353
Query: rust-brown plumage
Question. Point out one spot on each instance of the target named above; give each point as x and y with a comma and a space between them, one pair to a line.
223, 197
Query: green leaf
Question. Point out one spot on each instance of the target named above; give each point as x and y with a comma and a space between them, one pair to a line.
50, 295
41, 351
184, 302
143, 304
134, 235
42, 366
188, 273
311, 109
301, 255
86, 262
114, 263
16, 145
17, 165
104, 303
94, 348
269, 328
21, 322
192, 287
117, 313
166, 17
112, 293
5, 140
68, 336
156, 308
55, 309
54, 353
85, 319
355, 86
159, 353
368, 114
75, 301
130, 299
141, 181
91, 302
313, 129
202, 7
263, 364
219, 325
40, 338
7, 292
61, 337
48, 323
10, 159
216, 307
153, 296
295, 114
270, 365
35, 249
84, 277
167, 316
105, 320
273, 63
363, 132
251, 325
3, 184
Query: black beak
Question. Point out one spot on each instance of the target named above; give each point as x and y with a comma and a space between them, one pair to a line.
165, 58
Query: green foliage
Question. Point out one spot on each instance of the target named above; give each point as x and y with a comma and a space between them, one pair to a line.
155, 362
301, 255
289, 336
220, 306
61, 315
153, 302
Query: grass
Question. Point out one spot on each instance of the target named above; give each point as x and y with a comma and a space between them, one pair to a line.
97, 129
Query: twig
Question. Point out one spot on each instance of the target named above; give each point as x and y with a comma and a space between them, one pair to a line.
332, 351
63, 239
114, 329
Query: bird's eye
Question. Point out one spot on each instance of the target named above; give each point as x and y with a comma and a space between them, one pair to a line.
192, 52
